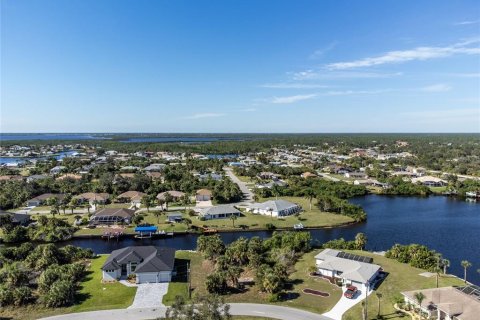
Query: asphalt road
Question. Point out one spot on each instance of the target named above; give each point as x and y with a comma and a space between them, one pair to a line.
248, 195
237, 309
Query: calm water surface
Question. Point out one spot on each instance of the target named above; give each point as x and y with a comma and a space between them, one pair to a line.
446, 225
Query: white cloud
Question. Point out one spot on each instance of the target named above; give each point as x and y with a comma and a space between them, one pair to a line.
467, 22
325, 74
320, 52
293, 85
440, 87
205, 115
419, 53
355, 92
291, 99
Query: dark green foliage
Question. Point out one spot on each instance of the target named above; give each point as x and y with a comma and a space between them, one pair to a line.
61, 293
336, 205
416, 255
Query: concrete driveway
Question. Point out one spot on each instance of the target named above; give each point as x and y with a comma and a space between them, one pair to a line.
149, 295
344, 304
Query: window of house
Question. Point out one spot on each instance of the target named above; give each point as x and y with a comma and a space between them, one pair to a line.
133, 266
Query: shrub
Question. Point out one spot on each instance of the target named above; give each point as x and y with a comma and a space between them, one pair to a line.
270, 226
60, 294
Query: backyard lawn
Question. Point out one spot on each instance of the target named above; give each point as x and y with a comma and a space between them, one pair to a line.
401, 277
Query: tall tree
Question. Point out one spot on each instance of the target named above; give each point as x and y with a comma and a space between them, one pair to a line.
465, 264
360, 241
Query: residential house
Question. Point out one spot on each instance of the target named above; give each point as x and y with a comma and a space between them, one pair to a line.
36, 177
271, 184
155, 167
219, 212
135, 197
174, 217
267, 175
22, 219
149, 264
110, 216
42, 199
275, 208
176, 195
430, 181
348, 268
92, 197
203, 195
57, 170
448, 303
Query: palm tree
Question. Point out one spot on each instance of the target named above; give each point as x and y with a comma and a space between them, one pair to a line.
233, 217
445, 265
465, 264
157, 215
379, 297
419, 296
360, 240
310, 195
73, 204
161, 202
168, 198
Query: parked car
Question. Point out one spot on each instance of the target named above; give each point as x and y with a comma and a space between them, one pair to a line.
351, 291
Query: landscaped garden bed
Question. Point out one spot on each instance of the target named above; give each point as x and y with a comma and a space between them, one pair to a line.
316, 292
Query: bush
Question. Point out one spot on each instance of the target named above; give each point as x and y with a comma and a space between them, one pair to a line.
61, 293
22, 295
6, 296
274, 297
270, 226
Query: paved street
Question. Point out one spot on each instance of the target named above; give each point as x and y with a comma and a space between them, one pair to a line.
247, 309
248, 195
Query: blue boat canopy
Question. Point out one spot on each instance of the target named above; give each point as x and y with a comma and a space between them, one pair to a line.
146, 229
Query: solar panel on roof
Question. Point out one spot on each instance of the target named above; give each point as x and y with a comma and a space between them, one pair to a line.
354, 257
471, 290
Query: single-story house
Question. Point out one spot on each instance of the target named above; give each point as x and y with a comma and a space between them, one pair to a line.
149, 264
211, 175
275, 208
271, 184
22, 219
42, 199
430, 181
203, 195
36, 177
219, 212
57, 169
174, 217
267, 175
448, 303
158, 167
307, 175
356, 175
349, 268
93, 197
112, 216
135, 197
176, 195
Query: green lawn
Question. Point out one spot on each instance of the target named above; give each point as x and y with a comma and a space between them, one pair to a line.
309, 218
299, 280
402, 277
93, 295
438, 189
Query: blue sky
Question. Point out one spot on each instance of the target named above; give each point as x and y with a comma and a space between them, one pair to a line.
240, 66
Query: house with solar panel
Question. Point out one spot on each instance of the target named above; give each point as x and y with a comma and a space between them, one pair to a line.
448, 303
149, 264
350, 269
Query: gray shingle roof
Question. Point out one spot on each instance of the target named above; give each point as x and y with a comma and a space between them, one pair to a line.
150, 258
223, 209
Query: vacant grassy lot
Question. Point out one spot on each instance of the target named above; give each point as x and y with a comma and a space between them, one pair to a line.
401, 277
299, 280
93, 295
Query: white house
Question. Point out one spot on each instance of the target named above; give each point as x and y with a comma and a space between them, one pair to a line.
150, 264
275, 208
448, 303
351, 269
430, 181
219, 212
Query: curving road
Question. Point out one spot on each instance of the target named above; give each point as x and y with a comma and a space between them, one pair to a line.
236, 309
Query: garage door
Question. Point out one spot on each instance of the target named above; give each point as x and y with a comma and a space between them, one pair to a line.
164, 277
147, 278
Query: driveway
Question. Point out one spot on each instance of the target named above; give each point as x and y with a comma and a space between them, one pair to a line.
245, 309
247, 194
344, 304
149, 295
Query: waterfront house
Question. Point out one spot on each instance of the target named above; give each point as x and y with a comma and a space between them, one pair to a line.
149, 264
219, 212
203, 195
110, 216
275, 208
348, 268
448, 303
430, 181
174, 217
22, 219
42, 199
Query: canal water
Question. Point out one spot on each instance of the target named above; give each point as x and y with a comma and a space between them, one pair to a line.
447, 225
